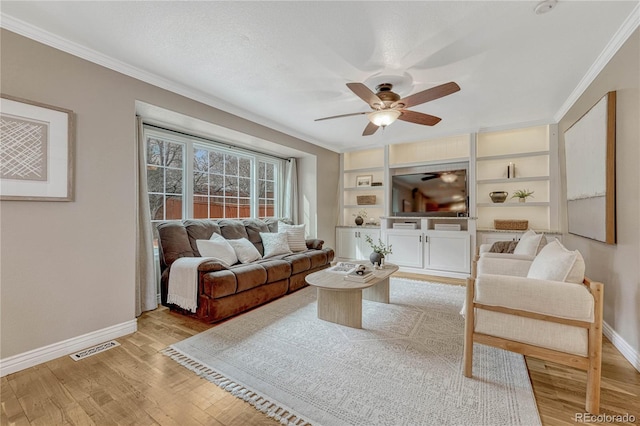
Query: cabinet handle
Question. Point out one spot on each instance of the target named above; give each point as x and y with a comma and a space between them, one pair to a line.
420, 238
426, 238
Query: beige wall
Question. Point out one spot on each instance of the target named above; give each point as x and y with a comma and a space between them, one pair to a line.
68, 268
617, 266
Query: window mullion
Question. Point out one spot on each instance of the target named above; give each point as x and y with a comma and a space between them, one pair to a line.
187, 179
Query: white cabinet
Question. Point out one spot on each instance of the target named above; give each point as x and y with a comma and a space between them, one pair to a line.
437, 250
407, 247
351, 243
447, 251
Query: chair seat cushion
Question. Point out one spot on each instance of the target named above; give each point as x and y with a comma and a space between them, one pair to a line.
558, 299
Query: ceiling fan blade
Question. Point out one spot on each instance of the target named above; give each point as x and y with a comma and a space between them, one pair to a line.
338, 116
428, 95
365, 94
418, 118
370, 129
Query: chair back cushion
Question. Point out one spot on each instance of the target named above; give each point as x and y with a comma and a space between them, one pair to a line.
556, 263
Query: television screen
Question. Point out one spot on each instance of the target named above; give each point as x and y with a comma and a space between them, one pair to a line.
431, 193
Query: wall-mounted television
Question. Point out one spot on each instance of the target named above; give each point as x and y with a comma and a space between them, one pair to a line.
429, 193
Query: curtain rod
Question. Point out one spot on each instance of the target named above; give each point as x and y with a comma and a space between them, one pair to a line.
228, 145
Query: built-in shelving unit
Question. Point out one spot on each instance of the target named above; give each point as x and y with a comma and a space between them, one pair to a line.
363, 163
533, 152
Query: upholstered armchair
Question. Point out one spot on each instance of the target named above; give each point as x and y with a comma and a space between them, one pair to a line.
544, 308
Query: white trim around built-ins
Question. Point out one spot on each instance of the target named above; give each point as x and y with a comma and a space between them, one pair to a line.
625, 348
37, 356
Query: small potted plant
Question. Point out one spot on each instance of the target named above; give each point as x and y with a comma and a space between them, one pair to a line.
360, 217
379, 251
522, 195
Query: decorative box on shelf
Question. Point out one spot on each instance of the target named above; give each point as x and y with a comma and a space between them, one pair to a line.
511, 224
366, 200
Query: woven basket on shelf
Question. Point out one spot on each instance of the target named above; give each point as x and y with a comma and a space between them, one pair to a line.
366, 200
511, 224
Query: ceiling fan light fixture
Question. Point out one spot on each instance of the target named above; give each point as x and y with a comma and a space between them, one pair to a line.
383, 117
449, 177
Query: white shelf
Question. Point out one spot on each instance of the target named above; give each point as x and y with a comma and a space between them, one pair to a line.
364, 169
364, 188
363, 206
514, 180
517, 204
508, 156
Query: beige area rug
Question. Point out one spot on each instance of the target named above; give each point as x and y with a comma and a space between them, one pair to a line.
404, 367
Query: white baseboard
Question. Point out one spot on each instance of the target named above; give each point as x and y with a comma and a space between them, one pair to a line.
433, 272
625, 349
28, 359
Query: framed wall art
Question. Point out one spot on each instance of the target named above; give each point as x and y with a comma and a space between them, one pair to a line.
364, 180
36, 151
590, 157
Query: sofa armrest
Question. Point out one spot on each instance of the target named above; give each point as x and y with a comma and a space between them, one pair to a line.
554, 298
503, 266
211, 266
314, 244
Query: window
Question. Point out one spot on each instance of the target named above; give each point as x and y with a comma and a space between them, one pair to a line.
189, 177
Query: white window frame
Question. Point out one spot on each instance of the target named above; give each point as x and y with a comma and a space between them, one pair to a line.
190, 143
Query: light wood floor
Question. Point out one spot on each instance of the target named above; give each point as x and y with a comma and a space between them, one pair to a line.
136, 385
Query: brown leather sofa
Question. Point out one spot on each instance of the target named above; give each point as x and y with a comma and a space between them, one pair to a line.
224, 292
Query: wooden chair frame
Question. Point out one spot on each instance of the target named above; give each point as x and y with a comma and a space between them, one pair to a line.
591, 363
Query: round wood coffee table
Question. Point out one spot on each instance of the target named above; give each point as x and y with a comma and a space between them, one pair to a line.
340, 301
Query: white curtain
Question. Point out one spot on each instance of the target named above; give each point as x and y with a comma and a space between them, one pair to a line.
146, 282
290, 199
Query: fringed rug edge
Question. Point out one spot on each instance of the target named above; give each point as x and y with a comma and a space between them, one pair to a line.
273, 409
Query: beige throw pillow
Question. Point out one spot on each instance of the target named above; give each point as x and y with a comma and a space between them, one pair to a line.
274, 244
530, 243
556, 263
245, 250
295, 236
218, 248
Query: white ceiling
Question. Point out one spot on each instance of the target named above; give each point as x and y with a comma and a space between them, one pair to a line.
284, 64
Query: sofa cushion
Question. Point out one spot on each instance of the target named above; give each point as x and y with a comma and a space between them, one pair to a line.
295, 236
232, 229
245, 250
200, 229
174, 242
219, 249
219, 284
530, 243
277, 269
300, 262
274, 244
249, 276
254, 227
556, 263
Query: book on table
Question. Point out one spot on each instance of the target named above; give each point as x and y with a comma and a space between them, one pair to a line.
361, 278
343, 267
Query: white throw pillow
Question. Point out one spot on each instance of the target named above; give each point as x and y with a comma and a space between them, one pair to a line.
218, 248
530, 243
274, 244
295, 236
556, 263
245, 250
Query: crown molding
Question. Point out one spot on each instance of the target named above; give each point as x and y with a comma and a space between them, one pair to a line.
620, 37
38, 34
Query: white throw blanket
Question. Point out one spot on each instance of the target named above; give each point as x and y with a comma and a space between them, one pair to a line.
183, 282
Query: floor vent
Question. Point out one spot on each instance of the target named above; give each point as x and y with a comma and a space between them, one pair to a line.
85, 353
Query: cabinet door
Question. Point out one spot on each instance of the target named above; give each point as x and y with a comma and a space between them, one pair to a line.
346, 243
363, 249
407, 247
448, 251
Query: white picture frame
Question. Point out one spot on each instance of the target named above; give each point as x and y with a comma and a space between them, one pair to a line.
37, 143
363, 181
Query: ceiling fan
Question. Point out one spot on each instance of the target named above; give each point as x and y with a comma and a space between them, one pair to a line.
387, 106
